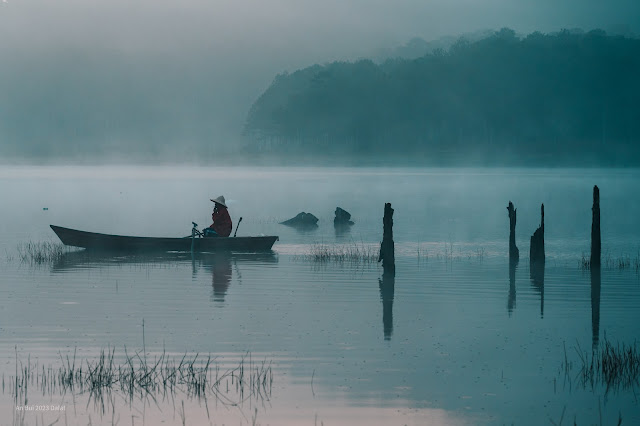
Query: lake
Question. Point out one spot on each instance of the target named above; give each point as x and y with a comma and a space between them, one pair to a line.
458, 337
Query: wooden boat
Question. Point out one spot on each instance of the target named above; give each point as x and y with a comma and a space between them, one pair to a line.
95, 241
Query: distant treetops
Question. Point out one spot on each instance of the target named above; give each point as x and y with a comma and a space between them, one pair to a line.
565, 98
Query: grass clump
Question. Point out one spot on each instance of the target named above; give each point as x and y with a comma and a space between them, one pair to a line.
41, 252
135, 376
622, 262
614, 366
341, 253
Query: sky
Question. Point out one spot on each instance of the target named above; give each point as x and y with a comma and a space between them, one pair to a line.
197, 60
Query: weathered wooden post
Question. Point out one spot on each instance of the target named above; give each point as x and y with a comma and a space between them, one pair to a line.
536, 260
596, 243
387, 255
514, 253
536, 249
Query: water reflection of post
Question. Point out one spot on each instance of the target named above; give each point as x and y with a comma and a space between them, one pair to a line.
537, 279
596, 277
387, 288
511, 301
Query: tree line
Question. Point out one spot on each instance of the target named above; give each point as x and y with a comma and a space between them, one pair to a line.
570, 97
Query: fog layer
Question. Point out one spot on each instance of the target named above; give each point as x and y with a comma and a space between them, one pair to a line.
123, 78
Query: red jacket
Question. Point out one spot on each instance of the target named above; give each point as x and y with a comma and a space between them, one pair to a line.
221, 222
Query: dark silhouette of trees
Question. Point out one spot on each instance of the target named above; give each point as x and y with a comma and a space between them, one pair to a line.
567, 98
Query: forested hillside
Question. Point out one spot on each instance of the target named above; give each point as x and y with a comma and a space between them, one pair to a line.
544, 99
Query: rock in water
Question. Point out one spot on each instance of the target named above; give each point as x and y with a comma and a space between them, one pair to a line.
302, 219
343, 217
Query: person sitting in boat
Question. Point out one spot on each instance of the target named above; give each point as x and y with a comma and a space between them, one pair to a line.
221, 226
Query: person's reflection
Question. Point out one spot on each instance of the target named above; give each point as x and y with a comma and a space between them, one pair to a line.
595, 305
387, 284
536, 271
221, 271
511, 301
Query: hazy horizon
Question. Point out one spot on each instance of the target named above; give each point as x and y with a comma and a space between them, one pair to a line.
104, 72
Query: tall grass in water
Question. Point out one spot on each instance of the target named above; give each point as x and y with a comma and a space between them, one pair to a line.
41, 252
134, 376
621, 262
340, 253
614, 366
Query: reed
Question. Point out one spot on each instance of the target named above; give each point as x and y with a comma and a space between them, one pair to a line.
585, 262
614, 366
621, 262
41, 252
135, 377
341, 253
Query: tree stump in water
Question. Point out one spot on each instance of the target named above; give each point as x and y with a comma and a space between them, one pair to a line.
342, 218
387, 255
514, 253
536, 249
596, 243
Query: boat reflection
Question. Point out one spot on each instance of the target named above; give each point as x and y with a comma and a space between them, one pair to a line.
219, 265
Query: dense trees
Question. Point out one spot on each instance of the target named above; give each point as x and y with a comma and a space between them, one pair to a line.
565, 98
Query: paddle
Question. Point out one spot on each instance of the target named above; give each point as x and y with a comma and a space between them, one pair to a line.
237, 226
194, 231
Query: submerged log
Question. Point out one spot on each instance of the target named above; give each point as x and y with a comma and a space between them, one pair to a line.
387, 251
536, 249
343, 217
596, 243
302, 220
514, 253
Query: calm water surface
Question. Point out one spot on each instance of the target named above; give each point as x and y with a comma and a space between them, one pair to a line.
457, 338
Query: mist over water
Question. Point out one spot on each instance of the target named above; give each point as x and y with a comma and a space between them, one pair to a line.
457, 337
127, 117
